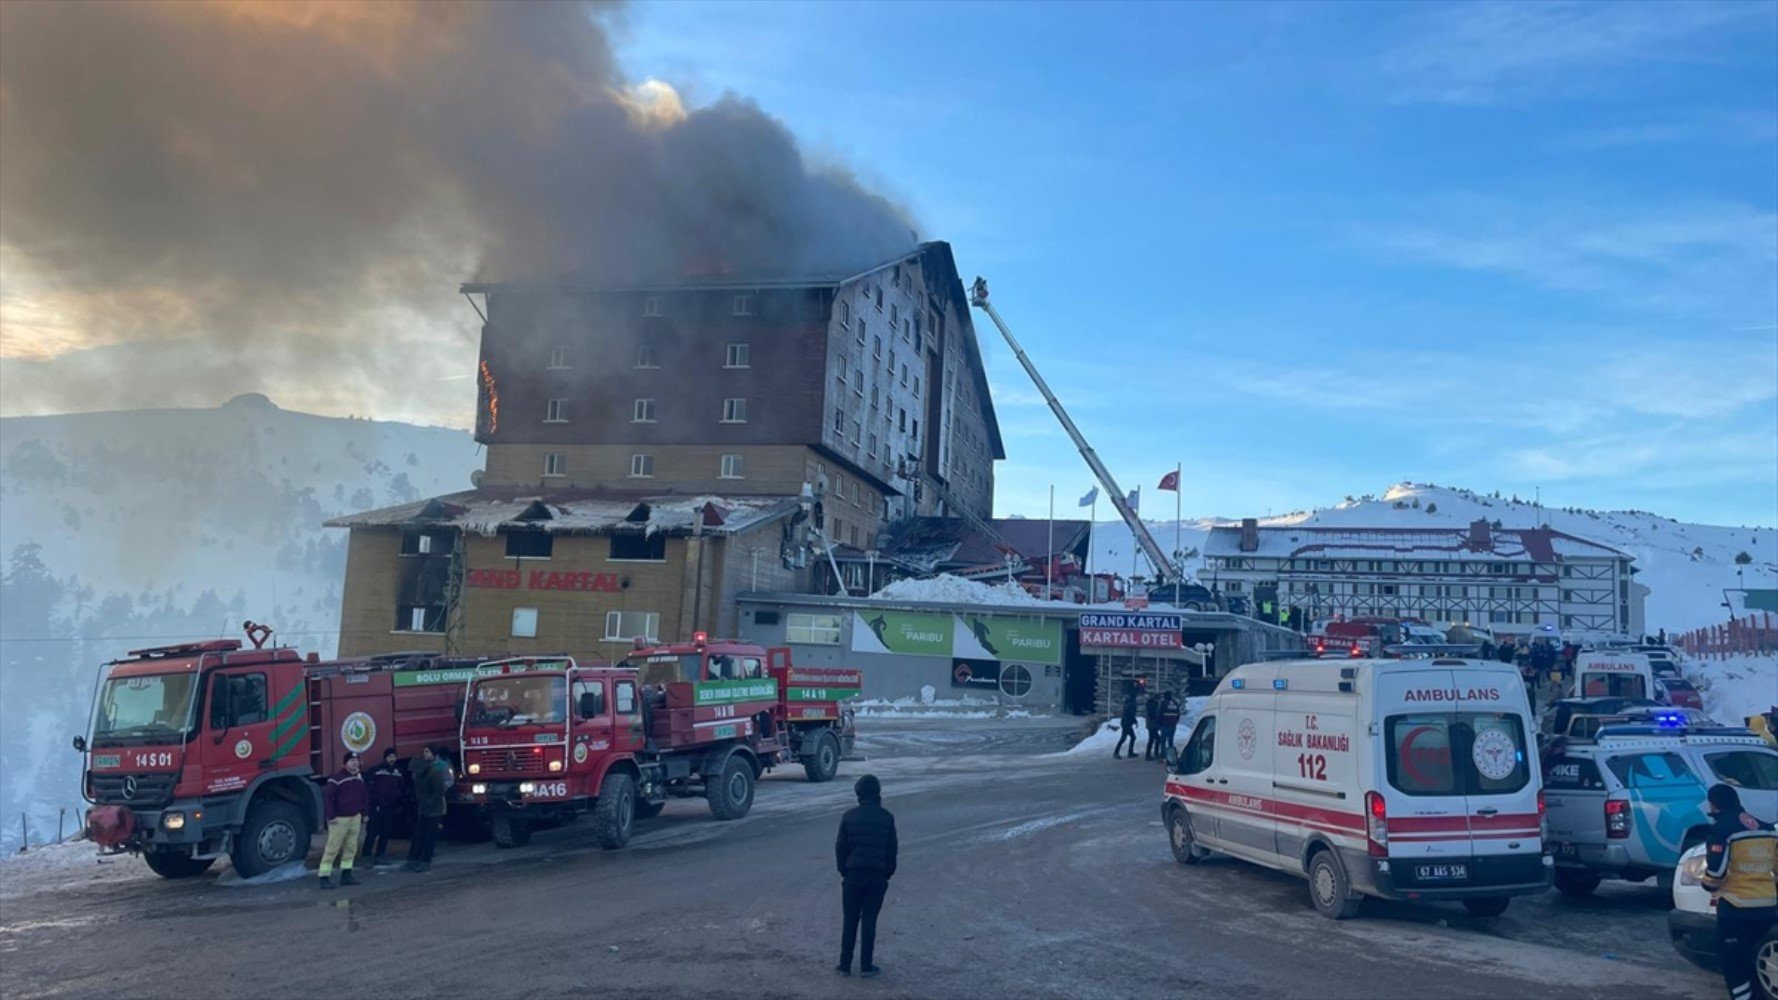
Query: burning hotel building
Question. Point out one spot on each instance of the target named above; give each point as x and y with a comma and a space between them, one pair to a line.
656, 449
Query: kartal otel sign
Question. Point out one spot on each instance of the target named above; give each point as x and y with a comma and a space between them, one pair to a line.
1132, 630
537, 579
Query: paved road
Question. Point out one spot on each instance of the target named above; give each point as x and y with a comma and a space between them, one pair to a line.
1023, 875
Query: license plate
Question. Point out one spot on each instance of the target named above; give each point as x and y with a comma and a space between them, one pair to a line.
1567, 850
107, 760
1441, 873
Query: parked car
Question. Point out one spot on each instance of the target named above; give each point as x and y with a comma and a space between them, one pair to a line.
1187, 596
1580, 718
1629, 803
1676, 690
1692, 925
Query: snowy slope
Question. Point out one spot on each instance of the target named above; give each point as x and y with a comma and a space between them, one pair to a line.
1685, 566
126, 529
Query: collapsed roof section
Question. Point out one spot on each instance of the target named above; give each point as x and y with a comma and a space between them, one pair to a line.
488, 511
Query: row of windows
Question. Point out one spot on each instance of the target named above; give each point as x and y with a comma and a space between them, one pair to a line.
555, 464
737, 355
734, 411
620, 626
624, 546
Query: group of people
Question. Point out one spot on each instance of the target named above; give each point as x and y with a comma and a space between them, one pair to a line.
1160, 713
1537, 660
361, 810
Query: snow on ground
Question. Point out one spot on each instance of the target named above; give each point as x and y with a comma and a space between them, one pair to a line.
1736, 687
74, 861
1105, 738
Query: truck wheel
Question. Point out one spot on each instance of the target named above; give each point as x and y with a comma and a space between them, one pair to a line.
615, 813
825, 762
1493, 906
1576, 884
166, 864
731, 792
510, 830
276, 833
1329, 889
649, 810
1179, 832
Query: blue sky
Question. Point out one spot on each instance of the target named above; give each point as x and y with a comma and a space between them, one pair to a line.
1311, 250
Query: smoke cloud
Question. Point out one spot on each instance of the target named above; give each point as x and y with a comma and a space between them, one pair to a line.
201, 199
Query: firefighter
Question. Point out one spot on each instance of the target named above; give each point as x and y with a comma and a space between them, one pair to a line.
1741, 872
387, 793
1128, 722
865, 853
432, 779
347, 799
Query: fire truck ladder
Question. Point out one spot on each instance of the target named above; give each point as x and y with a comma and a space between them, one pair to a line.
455, 574
978, 297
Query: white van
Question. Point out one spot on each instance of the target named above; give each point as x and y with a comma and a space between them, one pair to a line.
1404, 779
1612, 673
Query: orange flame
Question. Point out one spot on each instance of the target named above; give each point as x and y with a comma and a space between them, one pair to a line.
493, 396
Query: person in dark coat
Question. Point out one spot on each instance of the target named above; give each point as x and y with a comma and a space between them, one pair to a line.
865, 854
1128, 721
1169, 723
1741, 872
388, 791
432, 779
1151, 717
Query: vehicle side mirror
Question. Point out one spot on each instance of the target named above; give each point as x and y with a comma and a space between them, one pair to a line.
80, 743
589, 704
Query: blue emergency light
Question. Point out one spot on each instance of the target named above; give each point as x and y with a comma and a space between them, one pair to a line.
1670, 720
1237, 683
1279, 683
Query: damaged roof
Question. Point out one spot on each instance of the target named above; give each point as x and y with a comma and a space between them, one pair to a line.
937, 542
490, 510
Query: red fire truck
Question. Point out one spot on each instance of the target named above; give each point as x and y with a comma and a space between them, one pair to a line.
206, 749
705, 718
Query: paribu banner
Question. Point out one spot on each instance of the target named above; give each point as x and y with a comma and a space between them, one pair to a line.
972, 637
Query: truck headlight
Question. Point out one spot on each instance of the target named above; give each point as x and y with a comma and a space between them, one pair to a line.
475, 769
1690, 871
173, 821
555, 765
478, 789
527, 787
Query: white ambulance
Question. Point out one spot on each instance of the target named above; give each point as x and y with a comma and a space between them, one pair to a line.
1404, 779
1612, 673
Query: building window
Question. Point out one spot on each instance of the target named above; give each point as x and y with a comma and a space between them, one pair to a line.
420, 618
641, 466
638, 546
904, 376
651, 306
877, 348
894, 312
916, 386
426, 543
524, 623
901, 420
731, 467
878, 292
554, 464
529, 544
812, 630
858, 382
839, 423
872, 451
839, 487
857, 431
861, 331
734, 411
556, 412
743, 305
737, 356
642, 412
916, 432
627, 626
845, 314
892, 363
873, 397
558, 357
645, 357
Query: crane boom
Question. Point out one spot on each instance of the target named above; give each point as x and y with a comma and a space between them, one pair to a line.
978, 297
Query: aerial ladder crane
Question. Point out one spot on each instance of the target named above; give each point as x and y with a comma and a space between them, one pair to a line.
978, 297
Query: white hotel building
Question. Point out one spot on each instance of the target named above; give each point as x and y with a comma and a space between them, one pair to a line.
1513, 581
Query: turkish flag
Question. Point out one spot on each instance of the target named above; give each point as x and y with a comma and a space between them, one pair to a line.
1170, 481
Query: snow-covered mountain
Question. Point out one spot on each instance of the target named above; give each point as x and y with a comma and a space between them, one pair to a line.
127, 529
1685, 566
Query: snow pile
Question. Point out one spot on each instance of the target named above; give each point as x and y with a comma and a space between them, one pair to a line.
1685, 566
1105, 738
948, 589
1736, 687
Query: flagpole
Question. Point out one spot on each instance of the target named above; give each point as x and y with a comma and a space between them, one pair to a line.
1049, 554
1178, 490
1092, 530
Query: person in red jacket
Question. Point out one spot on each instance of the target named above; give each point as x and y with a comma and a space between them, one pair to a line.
347, 799
388, 793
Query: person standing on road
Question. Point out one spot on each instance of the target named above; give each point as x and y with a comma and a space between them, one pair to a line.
1741, 872
346, 800
1169, 724
1151, 717
865, 854
432, 779
1128, 721
387, 793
